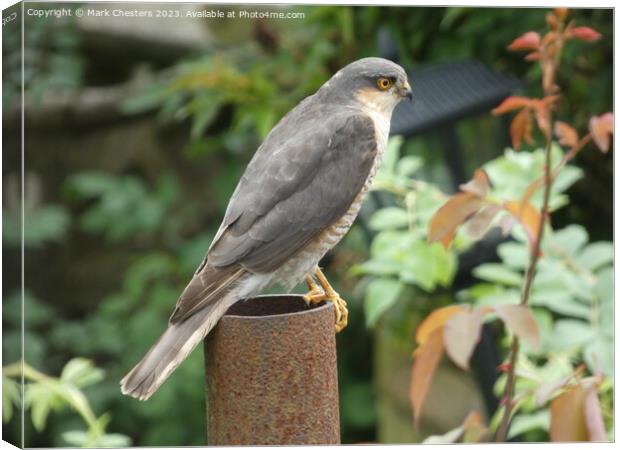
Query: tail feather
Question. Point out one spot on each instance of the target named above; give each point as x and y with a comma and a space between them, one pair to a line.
172, 348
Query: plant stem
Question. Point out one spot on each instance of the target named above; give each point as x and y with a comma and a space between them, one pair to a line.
502, 431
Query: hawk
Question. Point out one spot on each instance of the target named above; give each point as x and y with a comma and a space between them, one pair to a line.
297, 198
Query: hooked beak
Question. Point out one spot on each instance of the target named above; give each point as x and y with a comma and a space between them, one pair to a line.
407, 91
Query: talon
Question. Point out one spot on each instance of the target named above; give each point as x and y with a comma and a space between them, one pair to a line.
325, 292
340, 306
342, 317
315, 293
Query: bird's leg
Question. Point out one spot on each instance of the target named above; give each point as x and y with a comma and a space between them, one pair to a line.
327, 293
315, 293
342, 313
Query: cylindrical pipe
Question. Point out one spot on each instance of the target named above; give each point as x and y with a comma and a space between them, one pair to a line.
271, 374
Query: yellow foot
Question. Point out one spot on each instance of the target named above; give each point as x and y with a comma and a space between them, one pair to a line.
318, 294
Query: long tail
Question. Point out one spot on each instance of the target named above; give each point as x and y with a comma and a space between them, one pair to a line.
177, 343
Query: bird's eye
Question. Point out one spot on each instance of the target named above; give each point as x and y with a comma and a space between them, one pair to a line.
384, 83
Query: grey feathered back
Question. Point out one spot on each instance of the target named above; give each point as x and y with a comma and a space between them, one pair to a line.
296, 186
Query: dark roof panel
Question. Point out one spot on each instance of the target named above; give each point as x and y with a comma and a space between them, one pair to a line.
447, 92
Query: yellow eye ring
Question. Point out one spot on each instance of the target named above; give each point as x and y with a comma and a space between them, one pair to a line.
384, 83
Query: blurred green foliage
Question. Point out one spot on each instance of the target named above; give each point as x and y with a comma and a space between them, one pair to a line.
123, 208
44, 394
52, 59
229, 98
399, 253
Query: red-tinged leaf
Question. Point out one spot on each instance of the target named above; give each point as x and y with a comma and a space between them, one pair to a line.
594, 416
568, 422
533, 56
479, 185
560, 13
543, 119
548, 75
547, 390
435, 320
530, 191
427, 357
507, 223
548, 41
461, 333
479, 224
473, 428
527, 41
601, 127
552, 21
510, 104
584, 34
547, 101
542, 109
521, 128
527, 215
451, 215
520, 320
566, 134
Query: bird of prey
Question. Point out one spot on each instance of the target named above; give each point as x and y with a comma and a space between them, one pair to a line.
297, 198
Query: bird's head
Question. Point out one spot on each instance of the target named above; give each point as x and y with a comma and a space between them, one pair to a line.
375, 83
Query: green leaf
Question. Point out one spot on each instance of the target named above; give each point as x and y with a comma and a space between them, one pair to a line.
570, 239
381, 294
511, 174
514, 255
81, 372
562, 305
265, 120
40, 398
204, 108
378, 267
113, 440
390, 157
605, 292
408, 165
76, 438
605, 285
151, 97
389, 244
447, 438
522, 423
498, 273
389, 218
45, 224
557, 289
569, 334
10, 397
424, 202
599, 355
419, 267
568, 176
596, 255
445, 264
89, 183
78, 401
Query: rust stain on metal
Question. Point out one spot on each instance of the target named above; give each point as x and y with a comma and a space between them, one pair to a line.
271, 374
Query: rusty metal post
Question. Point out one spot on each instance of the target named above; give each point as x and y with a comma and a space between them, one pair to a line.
271, 374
